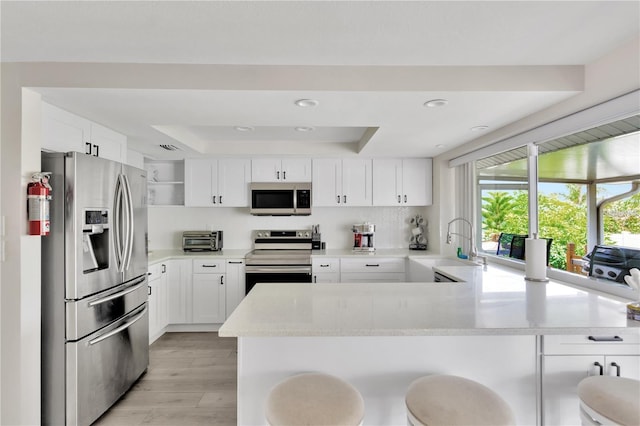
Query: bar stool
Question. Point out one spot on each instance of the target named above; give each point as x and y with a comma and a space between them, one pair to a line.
456, 401
609, 400
314, 399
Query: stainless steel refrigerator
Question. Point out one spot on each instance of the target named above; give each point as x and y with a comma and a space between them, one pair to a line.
95, 324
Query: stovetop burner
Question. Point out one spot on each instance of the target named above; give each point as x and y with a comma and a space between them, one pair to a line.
280, 247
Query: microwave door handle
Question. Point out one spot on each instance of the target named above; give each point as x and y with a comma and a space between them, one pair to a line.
295, 199
117, 222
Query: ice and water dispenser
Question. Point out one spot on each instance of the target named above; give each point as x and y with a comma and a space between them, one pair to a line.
95, 240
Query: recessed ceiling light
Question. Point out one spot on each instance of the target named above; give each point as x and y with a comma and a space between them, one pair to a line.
304, 129
304, 103
479, 128
244, 128
434, 103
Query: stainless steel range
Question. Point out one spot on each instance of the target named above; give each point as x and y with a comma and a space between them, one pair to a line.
279, 256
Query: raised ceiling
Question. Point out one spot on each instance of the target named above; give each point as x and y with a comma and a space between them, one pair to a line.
370, 65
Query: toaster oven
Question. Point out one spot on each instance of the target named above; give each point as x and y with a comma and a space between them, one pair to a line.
202, 240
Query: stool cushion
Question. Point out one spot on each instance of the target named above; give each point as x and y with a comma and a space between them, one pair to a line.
615, 398
314, 399
452, 400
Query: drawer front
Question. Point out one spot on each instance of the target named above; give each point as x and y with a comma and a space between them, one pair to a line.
373, 264
207, 266
375, 277
323, 264
583, 345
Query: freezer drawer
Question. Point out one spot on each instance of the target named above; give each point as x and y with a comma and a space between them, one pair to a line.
102, 366
92, 313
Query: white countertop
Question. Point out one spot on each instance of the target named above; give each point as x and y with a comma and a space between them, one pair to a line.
156, 256
163, 255
383, 252
494, 301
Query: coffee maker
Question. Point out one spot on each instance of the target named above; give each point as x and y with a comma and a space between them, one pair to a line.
363, 237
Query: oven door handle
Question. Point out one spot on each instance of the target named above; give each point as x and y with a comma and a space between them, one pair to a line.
287, 270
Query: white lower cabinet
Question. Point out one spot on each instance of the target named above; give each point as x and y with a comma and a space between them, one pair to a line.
179, 291
157, 301
209, 296
236, 284
569, 359
325, 270
372, 269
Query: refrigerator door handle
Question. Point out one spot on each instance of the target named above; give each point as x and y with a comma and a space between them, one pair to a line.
118, 294
119, 249
128, 251
119, 329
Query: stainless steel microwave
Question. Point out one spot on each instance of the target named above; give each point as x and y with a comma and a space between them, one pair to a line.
281, 199
202, 240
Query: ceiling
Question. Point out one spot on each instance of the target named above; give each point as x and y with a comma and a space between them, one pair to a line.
371, 65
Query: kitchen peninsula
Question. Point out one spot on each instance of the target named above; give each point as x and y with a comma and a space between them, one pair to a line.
494, 327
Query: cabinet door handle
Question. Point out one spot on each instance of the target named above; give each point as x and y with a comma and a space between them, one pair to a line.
219, 199
149, 291
405, 198
338, 197
606, 338
617, 367
221, 280
344, 199
600, 367
315, 278
97, 154
88, 148
278, 175
284, 175
164, 268
214, 199
399, 200
373, 264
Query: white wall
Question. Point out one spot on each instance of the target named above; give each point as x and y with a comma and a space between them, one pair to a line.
392, 224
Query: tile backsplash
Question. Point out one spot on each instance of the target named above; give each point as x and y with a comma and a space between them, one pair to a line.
393, 228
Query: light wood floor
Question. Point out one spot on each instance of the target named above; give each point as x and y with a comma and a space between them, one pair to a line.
191, 380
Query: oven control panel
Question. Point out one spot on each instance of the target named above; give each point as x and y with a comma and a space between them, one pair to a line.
278, 234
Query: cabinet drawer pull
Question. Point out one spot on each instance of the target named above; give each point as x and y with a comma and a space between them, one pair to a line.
235, 263
209, 266
606, 338
600, 367
325, 266
373, 264
617, 367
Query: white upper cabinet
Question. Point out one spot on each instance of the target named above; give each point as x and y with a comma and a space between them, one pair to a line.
281, 170
345, 182
402, 182
217, 183
63, 131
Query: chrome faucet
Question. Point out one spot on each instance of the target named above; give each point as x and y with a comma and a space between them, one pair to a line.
473, 252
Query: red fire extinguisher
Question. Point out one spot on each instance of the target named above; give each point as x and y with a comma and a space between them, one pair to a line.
38, 196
